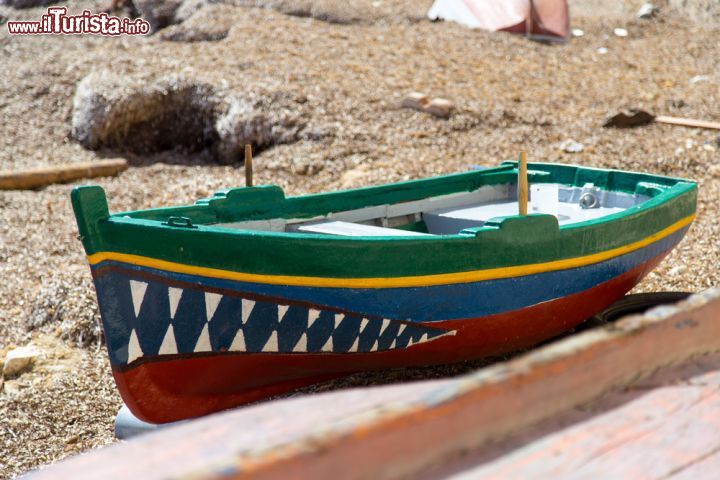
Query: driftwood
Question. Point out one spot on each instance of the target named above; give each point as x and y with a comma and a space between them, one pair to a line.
688, 122
40, 177
399, 431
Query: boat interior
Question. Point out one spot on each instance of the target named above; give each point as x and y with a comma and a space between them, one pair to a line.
452, 213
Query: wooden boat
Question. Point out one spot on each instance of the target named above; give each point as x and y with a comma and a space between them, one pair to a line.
248, 293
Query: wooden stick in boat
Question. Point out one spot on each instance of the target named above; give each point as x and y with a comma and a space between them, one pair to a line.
248, 166
522, 184
687, 122
40, 177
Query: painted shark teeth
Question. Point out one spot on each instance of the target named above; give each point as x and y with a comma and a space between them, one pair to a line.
172, 320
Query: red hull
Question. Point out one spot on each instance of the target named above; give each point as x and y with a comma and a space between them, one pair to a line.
180, 388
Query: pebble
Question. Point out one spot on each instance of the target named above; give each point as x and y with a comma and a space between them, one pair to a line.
440, 107
677, 270
699, 79
647, 10
571, 146
415, 100
576, 32
620, 32
19, 360
602, 50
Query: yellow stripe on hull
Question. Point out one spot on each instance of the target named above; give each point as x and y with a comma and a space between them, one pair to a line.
393, 282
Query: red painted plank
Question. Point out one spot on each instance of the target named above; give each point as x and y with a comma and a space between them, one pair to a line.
649, 431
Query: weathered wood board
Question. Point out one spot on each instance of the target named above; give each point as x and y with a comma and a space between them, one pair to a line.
402, 430
667, 426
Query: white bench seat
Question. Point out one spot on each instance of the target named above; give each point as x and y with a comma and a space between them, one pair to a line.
350, 229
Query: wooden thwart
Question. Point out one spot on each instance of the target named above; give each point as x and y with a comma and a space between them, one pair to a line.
40, 177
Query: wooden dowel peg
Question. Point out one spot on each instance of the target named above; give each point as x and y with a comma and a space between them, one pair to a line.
248, 165
522, 184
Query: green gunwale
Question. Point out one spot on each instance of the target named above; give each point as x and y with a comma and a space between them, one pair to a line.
509, 241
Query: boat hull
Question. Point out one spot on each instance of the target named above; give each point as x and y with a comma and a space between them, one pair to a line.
209, 306
167, 388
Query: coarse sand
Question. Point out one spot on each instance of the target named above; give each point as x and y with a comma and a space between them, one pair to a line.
347, 80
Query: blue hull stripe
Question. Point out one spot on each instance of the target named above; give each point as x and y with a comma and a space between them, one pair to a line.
442, 302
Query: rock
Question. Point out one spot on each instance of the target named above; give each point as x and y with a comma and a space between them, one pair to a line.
19, 360
145, 115
646, 11
189, 8
210, 23
571, 146
245, 123
629, 119
439, 107
141, 115
159, 13
602, 50
25, 4
620, 32
576, 32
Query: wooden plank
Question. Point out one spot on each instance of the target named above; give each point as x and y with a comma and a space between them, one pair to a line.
648, 431
707, 468
40, 177
421, 427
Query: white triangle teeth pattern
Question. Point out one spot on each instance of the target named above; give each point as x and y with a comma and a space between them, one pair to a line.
282, 310
174, 295
328, 347
168, 346
272, 344
301, 345
203, 342
338, 332
238, 343
134, 350
137, 290
212, 300
247, 307
312, 316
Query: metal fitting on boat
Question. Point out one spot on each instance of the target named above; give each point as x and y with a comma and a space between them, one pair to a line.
589, 197
589, 200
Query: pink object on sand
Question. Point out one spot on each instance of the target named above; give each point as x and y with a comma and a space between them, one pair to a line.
539, 18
